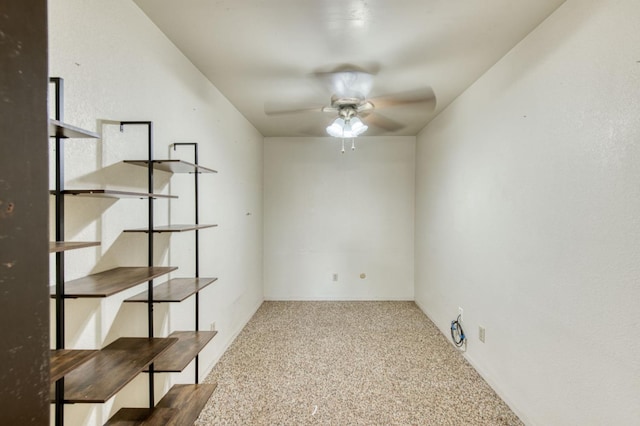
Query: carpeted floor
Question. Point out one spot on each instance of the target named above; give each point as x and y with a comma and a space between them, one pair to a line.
347, 363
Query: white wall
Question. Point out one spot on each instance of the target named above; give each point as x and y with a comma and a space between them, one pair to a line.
118, 66
350, 214
527, 217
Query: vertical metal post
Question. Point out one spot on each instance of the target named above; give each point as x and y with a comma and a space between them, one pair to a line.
60, 273
151, 222
197, 243
150, 333
59, 208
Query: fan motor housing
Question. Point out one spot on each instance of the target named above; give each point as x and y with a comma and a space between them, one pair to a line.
347, 111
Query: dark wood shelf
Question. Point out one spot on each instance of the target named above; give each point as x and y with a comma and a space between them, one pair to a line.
189, 400
171, 228
180, 406
174, 290
67, 131
178, 357
111, 193
57, 246
106, 373
143, 417
112, 281
63, 361
172, 166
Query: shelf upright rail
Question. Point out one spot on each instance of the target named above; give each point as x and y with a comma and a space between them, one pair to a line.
197, 240
150, 233
58, 84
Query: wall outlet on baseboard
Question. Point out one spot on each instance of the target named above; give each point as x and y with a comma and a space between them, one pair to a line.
335, 277
481, 333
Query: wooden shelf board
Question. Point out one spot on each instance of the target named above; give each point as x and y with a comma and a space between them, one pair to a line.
178, 357
189, 399
106, 373
142, 416
174, 290
57, 246
180, 406
67, 131
172, 166
171, 228
112, 281
112, 193
63, 361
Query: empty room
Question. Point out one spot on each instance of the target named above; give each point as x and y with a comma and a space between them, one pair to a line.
334, 212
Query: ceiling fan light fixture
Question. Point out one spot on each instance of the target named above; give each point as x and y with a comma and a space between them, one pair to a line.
335, 129
346, 130
357, 126
341, 128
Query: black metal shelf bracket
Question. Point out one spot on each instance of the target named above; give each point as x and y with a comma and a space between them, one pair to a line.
194, 145
58, 84
150, 234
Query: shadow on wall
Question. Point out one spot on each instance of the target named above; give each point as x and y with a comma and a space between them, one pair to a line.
130, 249
80, 213
131, 320
81, 316
121, 176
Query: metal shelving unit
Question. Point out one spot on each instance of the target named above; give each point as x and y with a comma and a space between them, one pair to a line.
94, 376
176, 290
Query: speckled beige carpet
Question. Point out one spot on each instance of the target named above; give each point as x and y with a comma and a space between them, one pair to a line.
347, 363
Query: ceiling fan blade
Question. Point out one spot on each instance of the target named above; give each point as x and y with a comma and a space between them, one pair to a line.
382, 122
278, 109
330, 109
424, 95
348, 81
365, 107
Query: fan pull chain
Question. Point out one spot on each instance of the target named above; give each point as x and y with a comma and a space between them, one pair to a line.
353, 144
343, 145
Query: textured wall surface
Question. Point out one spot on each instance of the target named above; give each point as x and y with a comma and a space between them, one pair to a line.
527, 217
118, 66
350, 214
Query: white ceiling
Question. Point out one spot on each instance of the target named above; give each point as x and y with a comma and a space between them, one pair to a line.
264, 52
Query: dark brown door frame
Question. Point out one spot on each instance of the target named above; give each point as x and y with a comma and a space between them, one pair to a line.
24, 207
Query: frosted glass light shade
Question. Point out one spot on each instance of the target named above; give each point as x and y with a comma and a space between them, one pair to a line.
335, 129
357, 126
346, 129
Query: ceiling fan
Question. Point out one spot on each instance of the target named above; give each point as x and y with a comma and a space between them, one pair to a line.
350, 87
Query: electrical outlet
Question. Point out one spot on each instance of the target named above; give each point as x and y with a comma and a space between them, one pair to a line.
461, 312
212, 326
335, 277
481, 333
